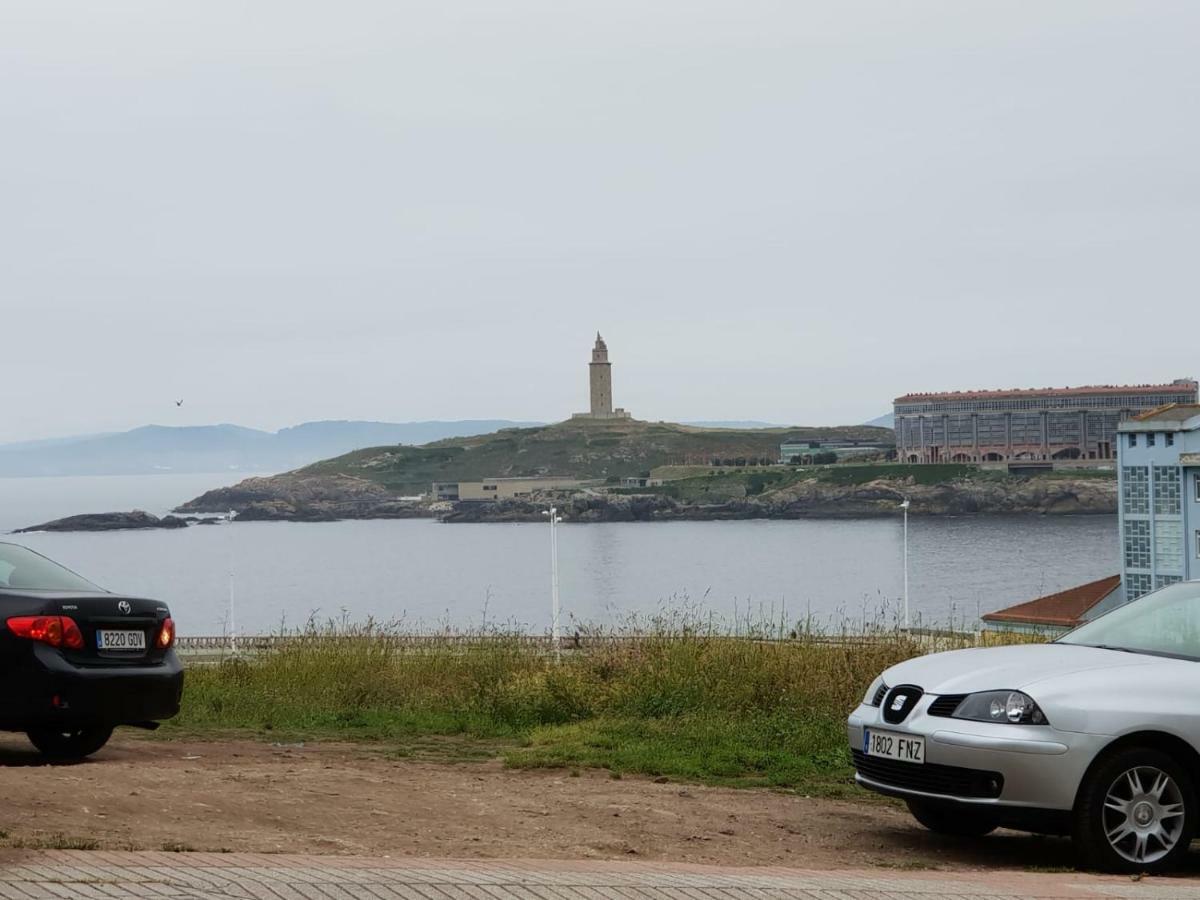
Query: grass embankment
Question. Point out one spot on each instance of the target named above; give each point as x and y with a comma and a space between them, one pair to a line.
708, 708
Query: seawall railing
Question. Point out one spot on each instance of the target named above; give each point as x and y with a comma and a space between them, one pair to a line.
200, 646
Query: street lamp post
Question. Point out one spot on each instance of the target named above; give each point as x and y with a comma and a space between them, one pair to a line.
904, 506
232, 619
555, 636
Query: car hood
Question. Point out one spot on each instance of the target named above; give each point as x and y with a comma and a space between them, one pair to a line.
1007, 668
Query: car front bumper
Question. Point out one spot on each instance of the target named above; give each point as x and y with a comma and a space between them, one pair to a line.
977, 763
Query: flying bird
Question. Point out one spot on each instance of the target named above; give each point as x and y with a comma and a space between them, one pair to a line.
179, 403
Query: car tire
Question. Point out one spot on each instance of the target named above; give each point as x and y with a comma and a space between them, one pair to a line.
69, 743
1144, 798
942, 819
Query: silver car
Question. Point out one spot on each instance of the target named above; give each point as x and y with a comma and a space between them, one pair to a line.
1095, 735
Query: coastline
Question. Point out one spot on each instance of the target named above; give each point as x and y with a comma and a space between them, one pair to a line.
300, 497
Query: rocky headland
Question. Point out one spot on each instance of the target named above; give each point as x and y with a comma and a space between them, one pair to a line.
299, 497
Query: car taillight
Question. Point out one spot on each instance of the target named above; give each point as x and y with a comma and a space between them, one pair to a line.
72, 636
57, 631
166, 634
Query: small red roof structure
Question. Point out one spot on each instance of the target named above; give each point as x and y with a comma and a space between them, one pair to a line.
1065, 609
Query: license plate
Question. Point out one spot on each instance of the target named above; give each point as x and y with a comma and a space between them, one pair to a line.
890, 745
121, 640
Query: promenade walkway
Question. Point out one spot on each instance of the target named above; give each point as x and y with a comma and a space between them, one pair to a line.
91, 875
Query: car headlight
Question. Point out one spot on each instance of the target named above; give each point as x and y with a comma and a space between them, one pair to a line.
875, 693
1011, 707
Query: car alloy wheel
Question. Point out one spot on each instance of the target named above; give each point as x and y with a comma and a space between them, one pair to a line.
1135, 811
1143, 814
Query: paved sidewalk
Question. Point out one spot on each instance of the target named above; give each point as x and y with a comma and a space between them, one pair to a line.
32, 875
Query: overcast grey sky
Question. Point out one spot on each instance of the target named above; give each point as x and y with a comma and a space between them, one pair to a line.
792, 211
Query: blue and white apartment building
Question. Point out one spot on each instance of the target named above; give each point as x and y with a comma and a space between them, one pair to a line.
1159, 483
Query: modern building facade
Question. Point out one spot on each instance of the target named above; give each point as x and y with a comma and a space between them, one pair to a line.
600, 386
1159, 482
1043, 425
511, 488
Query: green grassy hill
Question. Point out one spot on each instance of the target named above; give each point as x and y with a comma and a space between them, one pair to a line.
581, 448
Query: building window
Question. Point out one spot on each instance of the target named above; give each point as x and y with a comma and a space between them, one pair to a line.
1168, 545
1133, 440
1169, 437
1164, 580
1135, 490
1136, 585
1167, 499
1150, 436
1137, 544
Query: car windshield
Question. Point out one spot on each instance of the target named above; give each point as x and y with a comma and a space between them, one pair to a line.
22, 569
1166, 622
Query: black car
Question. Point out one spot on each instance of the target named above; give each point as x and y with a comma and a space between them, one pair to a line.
76, 661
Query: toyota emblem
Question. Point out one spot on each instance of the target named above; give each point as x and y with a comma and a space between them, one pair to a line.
124, 607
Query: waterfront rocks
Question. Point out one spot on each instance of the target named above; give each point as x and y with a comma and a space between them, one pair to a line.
819, 500
575, 508
112, 521
968, 496
294, 497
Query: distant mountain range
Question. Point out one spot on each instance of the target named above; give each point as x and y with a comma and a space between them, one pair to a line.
159, 449
156, 449
887, 420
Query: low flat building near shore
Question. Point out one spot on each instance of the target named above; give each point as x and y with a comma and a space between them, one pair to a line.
1043, 425
641, 481
1058, 613
491, 489
803, 451
444, 490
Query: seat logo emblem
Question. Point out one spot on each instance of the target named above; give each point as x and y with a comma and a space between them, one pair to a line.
898, 701
124, 607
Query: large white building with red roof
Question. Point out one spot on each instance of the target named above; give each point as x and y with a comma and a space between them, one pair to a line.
1029, 424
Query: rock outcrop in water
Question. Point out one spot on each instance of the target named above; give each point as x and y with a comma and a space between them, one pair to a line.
112, 521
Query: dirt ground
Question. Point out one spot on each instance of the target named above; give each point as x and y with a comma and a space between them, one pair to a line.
366, 799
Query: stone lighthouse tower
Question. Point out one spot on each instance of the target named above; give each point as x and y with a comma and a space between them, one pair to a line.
600, 372
600, 384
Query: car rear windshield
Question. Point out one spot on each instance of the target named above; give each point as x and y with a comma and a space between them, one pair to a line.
23, 570
1166, 623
